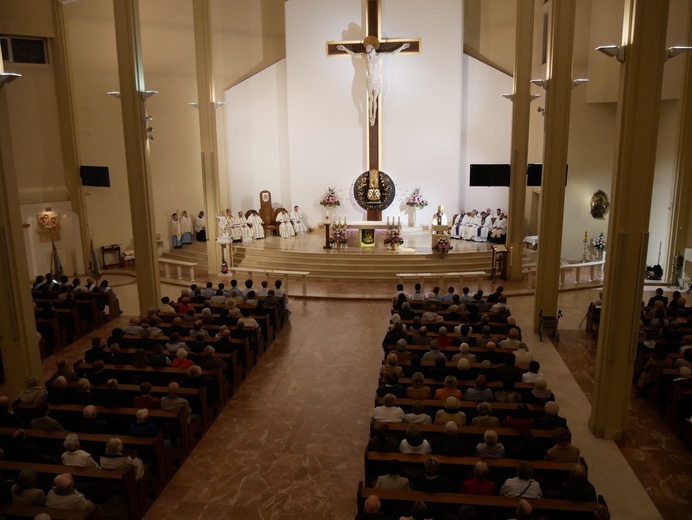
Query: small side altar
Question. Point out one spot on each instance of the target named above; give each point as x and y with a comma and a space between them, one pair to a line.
360, 233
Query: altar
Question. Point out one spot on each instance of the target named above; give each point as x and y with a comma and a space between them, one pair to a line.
360, 233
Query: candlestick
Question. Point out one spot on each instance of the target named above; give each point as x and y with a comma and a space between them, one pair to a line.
399, 222
387, 219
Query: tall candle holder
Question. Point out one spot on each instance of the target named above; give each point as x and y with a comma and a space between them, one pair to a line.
583, 256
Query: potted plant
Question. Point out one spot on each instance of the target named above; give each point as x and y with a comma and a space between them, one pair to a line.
598, 246
392, 237
442, 246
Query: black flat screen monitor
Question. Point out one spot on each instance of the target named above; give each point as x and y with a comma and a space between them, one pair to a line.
534, 174
489, 175
95, 176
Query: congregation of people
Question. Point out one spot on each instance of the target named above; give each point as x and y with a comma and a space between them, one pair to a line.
457, 381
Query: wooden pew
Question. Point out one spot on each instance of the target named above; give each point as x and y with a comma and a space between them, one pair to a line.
134, 490
500, 410
13, 511
446, 505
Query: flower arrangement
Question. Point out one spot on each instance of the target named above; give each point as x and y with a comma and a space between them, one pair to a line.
392, 236
443, 245
416, 200
599, 242
330, 199
338, 235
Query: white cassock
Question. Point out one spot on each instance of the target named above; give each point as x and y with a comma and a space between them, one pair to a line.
298, 225
186, 229
236, 234
245, 231
285, 227
200, 224
471, 227
175, 233
456, 226
485, 229
439, 220
500, 229
257, 225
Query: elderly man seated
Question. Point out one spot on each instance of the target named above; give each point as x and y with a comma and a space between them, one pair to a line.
74, 456
65, 496
388, 412
372, 510
114, 458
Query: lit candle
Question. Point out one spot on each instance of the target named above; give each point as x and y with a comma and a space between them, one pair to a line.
387, 219
399, 221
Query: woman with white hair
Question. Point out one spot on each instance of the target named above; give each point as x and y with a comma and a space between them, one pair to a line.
33, 392
74, 456
114, 458
464, 353
181, 360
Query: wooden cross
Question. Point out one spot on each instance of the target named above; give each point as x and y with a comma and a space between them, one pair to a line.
373, 17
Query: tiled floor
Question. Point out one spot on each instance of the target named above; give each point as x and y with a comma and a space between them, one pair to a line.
289, 445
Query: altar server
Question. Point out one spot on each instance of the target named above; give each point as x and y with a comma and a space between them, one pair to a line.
245, 230
297, 222
185, 229
176, 234
285, 227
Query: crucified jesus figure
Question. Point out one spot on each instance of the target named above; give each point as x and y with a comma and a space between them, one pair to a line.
373, 71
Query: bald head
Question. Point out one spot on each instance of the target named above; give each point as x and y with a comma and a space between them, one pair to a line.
372, 504
173, 388
64, 483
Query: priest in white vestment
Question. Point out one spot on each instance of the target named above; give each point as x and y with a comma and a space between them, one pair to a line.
499, 232
439, 218
185, 228
456, 225
236, 233
485, 228
471, 227
245, 230
175, 231
285, 227
297, 222
257, 224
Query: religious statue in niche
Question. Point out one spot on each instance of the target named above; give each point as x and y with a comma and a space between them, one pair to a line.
48, 225
373, 70
599, 204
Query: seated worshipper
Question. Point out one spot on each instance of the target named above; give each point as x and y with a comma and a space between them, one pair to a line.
114, 357
74, 456
393, 478
154, 329
417, 294
114, 397
485, 337
142, 427
417, 389
686, 346
218, 298
563, 451
172, 402
523, 511
391, 366
413, 366
430, 315
660, 319
406, 312
114, 458
190, 318
210, 362
522, 485
7, 418
520, 419
485, 417
508, 394
247, 320
457, 224
431, 481
452, 444
84, 395
416, 326
684, 361
479, 484
418, 415
232, 307
197, 345
526, 449
90, 423
165, 307
201, 227
577, 488
245, 228
658, 297
464, 371
139, 359
133, 328
509, 371
264, 289
685, 373
197, 328
297, 221
145, 399
449, 388
464, 353
33, 392
512, 340
181, 360
450, 412
401, 352
25, 492
423, 339
498, 234
419, 511
158, 358
285, 227
174, 343
479, 392
490, 448
250, 298
487, 370
176, 233
388, 412
501, 305
95, 352
453, 313
533, 374
98, 374
551, 419
443, 339
58, 393
470, 230
372, 510
381, 442
414, 442
391, 386
540, 394
439, 371
65, 496
465, 335
434, 351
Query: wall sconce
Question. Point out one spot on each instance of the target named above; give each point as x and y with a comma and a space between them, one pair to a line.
145, 95
511, 97
613, 51
676, 50
215, 104
8, 77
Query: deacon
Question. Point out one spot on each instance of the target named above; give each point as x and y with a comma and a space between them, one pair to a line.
439, 218
185, 229
285, 227
176, 234
245, 231
201, 227
297, 222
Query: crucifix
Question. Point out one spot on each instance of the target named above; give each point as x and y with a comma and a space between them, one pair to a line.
371, 49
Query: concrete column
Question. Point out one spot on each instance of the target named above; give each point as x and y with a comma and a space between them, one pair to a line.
68, 138
680, 214
18, 339
556, 135
206, 100
523, 51
641, 76
133, 104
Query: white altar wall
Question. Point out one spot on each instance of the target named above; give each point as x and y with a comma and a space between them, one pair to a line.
488, 131
421, 131
256, 138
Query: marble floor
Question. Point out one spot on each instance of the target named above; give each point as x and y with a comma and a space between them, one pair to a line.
290, 444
